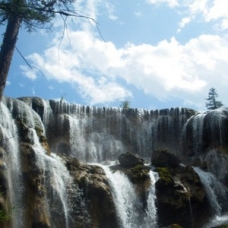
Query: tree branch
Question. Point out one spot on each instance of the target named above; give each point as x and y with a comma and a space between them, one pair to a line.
29, 65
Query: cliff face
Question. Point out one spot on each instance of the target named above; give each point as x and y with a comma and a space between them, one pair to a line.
46, 181
101, 134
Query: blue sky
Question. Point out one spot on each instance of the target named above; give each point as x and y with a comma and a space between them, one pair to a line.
154, 53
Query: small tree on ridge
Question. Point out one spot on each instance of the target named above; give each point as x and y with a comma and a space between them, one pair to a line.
125, 104
212, 103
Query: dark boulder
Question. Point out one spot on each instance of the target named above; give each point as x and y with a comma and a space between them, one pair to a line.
97, 198
180, 195
163, 157
130, 160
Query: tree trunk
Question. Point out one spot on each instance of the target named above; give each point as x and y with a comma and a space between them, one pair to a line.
7, 50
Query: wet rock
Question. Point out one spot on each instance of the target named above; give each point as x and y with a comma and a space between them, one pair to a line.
180, 195
173, 226
163, 157
97, 196
130, 160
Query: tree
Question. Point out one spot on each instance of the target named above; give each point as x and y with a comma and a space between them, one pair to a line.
212, 103
125, 104
32, 14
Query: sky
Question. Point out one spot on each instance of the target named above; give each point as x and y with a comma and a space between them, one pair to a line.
153, 53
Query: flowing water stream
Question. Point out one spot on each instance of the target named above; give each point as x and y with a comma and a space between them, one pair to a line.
9, 140
129, 209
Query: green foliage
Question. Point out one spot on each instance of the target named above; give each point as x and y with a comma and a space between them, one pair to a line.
125, 104
33, 13
212, 103
176, 226
164, 174
4, 216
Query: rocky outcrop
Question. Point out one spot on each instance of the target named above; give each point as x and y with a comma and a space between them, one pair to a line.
99, 209
163, 157
130, 160
133, 167
179, 193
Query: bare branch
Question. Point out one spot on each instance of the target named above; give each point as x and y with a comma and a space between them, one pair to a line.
29, 65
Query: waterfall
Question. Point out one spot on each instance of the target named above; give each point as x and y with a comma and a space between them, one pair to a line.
217, 221
217, 125
150, 220
9, 141
89, 132
216, 191
128, 206
198, 132
58, 176
124, 198
42, 140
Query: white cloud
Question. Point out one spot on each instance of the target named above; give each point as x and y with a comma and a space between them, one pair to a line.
110, 9
167, 70
171, 3
183, 23
207, 10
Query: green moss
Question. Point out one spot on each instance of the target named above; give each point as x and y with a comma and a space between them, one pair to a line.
137, 168
176, 226
164, 174
39, 131
4, 216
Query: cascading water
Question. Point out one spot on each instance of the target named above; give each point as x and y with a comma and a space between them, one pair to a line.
58, 176
9, 140
128, 206
217, 221
88, 132
150, 220
216, 191
198, 132
124, 197
94, 134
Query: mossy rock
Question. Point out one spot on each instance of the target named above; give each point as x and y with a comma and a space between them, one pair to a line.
175, 226
165, 175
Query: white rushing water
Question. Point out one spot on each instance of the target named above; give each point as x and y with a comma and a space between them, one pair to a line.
198, 132
129, 208
150, 219
9, 140
217, 221
214, 189
57, 172
91, 146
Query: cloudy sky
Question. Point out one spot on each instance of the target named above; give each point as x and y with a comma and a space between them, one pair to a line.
154, 53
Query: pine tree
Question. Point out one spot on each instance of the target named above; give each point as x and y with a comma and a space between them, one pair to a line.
125, 104
212, 103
